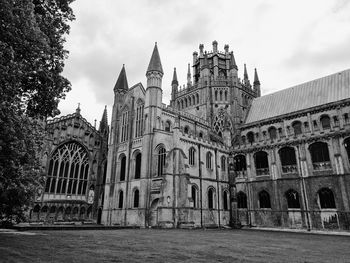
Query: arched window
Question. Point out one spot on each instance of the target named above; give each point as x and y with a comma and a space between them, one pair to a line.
240, 165
216, 95
124, 126
272, 133
186, 102
223, 163
250, 136
122, 167
243, 139
220, 95
264, 199
120, 199
36, 209
320, 156
292, 199
225, 95
138, 157
194, 195
186, 130
82, 213
189, 101
325, 122
68, 211
200, 135
167, 126
209, 160
139, 120
210, 198
297, 128
226, 200
191, 156
178, 105
44, 209
68, 167
241, 200
182, 104
288, 160
326, 198
52, 209
347, 147
261, 163
193, 99
197, 98
136, 198
161, 160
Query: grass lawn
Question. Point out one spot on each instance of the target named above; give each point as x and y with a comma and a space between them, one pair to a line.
149, 245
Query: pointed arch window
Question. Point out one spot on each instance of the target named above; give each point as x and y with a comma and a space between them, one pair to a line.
68, 169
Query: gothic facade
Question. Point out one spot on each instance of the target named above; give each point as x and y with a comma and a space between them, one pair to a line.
168, 165
74, 160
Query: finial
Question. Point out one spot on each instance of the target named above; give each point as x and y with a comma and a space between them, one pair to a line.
95, 123
78, 109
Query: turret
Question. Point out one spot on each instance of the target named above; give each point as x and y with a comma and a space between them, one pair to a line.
256, 83
153, 97
121, 87
215, 46
174, 86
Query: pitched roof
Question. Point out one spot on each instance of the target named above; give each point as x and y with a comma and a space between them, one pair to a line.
155, 64
122, 82
317, 92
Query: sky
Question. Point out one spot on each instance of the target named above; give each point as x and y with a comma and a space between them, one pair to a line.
289, 42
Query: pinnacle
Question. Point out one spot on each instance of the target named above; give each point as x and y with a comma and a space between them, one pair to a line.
155, 64
175, 78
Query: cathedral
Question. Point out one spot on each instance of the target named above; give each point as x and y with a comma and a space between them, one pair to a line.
219, 154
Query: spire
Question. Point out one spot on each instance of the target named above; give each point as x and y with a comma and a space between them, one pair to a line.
233, 62
175, 78
104, 120
245, 73
122, 82
155, 64
256, 78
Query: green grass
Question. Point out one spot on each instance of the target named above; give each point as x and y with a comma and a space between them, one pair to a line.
147, 245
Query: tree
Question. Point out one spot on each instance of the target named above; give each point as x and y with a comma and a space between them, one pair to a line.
32, 35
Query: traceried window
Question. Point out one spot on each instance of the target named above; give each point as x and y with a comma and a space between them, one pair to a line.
161, 155
292, 199
209, 158
125, 126
68, 170
139, 121
191, 156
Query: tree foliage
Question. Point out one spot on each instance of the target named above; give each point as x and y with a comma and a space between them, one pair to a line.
32, 35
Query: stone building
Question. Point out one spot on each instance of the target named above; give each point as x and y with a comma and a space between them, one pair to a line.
168, 165
74, 159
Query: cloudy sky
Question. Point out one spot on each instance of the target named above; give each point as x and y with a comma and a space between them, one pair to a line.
289, 42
